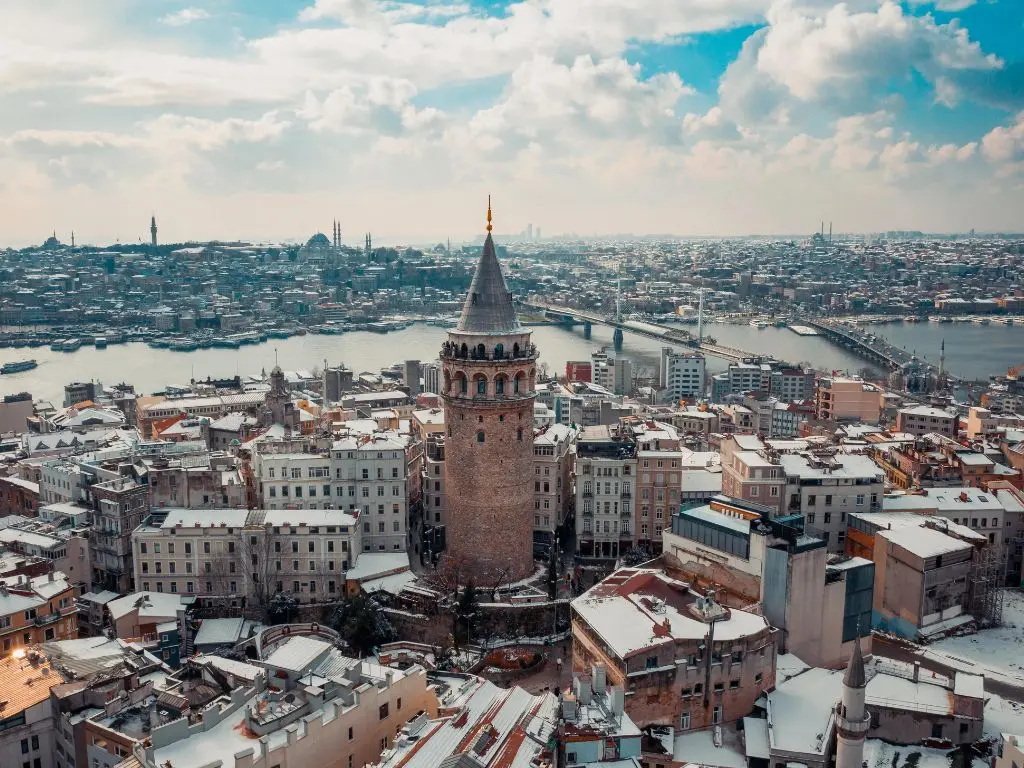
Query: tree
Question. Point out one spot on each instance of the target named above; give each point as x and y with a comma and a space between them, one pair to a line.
466, 609
635, 556
281, 608
362, 623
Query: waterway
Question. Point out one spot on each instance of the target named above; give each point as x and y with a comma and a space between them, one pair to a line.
971, 351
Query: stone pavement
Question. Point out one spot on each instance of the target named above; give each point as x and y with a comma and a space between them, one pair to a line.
548, 677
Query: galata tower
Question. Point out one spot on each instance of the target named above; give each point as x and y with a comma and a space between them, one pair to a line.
489, 374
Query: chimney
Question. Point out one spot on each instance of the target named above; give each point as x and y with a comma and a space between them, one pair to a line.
598, 678
917, 671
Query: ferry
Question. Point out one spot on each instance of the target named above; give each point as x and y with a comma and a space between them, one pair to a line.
100, 342
71, 345
981, 321
58, 345
159, 344
225, 343
759, 324
17, 367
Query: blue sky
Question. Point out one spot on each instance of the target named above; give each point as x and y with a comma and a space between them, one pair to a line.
268, 119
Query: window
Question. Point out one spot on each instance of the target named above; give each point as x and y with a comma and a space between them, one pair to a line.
383, 711
480, 436
684, 721
142, 547
350, 738
716, 715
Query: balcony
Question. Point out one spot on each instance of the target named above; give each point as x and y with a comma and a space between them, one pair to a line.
451, 351
50, 618
626, 495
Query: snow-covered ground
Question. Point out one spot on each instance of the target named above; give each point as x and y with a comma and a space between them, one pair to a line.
999, 648
1002, 716
881, 754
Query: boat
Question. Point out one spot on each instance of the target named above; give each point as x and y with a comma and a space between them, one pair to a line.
159, 344
225, 343
71, 345
58, 345
759, 324
981, 321
100, 342
18, 366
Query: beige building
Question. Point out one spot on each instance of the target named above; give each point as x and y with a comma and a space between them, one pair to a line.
554, 463
925, 419
239, 558
1010, 751
841, 399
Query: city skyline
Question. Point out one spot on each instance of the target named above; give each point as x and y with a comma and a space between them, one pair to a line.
247, 120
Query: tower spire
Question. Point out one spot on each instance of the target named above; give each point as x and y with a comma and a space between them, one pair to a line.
852, 719
488, 214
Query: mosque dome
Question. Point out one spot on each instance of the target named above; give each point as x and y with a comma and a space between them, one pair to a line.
319, 240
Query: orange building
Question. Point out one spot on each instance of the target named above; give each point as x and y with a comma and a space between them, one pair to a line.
35, 610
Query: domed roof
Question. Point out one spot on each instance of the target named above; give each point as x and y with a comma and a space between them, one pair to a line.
319, 240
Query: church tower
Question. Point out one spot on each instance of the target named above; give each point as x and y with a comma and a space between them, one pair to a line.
489, 368
852, 721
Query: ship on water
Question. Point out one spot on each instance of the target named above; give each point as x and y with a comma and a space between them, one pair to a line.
18, 366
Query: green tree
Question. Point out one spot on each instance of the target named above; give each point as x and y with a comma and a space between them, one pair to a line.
466, 609
362, 623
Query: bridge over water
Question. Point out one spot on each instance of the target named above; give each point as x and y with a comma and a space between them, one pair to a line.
572, 316
867, 346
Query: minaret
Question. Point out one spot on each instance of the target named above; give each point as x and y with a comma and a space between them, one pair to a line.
152, 231
852, 721
489, 368
942, 362
72, 238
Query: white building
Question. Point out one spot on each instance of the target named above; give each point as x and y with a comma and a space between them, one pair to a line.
682, 373
365, 473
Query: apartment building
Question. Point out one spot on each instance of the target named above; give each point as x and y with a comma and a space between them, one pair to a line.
554, 462
825, 487
792, 385
973, 508
239, 558
682, 374
686, 660
751, 473
606, 471
26, 720
36, 609
925, 419
66, 551
658, 494
364, 473
739, 378
120, 505
843, 399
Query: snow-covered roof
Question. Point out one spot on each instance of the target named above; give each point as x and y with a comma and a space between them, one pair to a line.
924, 542
150, 605
635, 609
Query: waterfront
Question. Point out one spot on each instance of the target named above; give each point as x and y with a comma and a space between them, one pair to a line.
971, 352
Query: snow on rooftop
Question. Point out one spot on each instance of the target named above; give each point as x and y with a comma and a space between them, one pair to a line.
800, 714
374, 565
924, 542
297, 653
635, 609
900, 693
698, 747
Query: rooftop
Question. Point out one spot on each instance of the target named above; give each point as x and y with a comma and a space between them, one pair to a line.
488, 309
635, 609
25, 682
924, 542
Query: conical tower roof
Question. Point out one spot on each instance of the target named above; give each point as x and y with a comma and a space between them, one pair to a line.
855, 676
488, 308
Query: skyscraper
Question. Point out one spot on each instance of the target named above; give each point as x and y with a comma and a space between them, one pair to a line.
489, 368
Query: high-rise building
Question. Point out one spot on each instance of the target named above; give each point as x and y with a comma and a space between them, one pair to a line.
489, 375
682, 373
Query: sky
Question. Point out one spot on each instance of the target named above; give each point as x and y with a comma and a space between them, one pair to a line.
268, 119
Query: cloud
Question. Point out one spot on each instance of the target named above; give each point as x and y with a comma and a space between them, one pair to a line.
1004, 143
950, 6
184, 16
845, 59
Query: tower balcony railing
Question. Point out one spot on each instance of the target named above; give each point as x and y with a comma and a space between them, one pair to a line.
490, 398
452, 351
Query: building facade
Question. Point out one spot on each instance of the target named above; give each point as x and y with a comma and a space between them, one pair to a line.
682, 373
606, 471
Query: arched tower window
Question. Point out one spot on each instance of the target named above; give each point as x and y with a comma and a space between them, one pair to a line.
463, 350
480, 436
519, 434
481, 351
481, 384
517, 383
499, 385
515, 349
463, 382
499, 351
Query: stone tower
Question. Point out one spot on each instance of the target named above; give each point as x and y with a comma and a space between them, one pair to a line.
852, 721
489, 367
